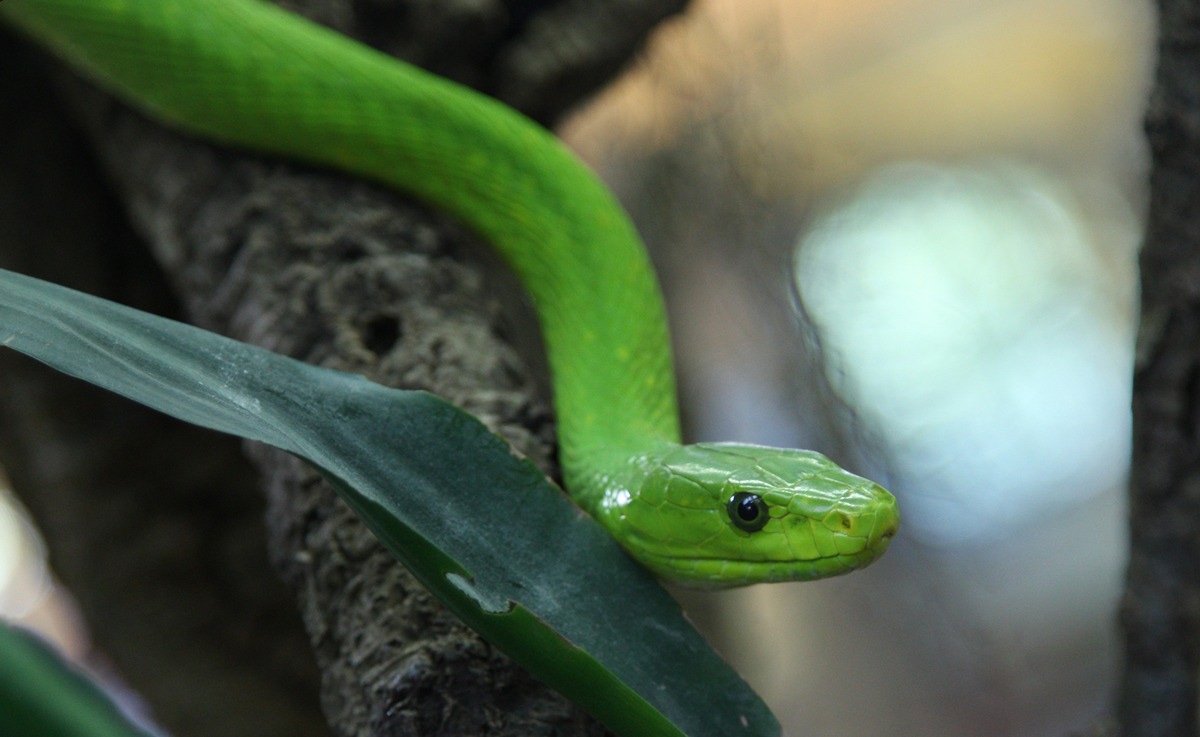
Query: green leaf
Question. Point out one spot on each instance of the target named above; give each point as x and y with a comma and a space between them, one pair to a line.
42, 694
502, 547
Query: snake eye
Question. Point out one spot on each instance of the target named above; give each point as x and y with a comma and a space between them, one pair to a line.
747, 511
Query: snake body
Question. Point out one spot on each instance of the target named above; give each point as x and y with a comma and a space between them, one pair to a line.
247, 74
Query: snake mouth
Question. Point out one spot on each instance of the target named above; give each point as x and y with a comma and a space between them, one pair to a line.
713, 572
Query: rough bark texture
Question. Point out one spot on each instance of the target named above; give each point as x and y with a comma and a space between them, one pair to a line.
1161, 610
152, 524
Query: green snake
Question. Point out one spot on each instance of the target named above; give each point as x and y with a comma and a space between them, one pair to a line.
247, 74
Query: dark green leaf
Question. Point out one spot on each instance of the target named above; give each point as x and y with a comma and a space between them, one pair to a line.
504, 549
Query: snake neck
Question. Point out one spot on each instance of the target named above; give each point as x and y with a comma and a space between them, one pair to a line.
250, 75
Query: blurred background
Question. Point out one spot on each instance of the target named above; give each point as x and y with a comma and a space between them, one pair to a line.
904, 233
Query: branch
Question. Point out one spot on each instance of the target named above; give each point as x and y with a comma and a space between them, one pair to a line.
1161, 610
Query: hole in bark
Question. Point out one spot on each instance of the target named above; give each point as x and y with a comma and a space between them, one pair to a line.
348, 249
381, 334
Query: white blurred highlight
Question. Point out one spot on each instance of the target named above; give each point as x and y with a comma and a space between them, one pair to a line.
986, 333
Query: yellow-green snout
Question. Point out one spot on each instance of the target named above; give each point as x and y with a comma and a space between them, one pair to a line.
722, 514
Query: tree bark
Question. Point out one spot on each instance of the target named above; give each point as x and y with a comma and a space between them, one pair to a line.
150, 523
1160, 612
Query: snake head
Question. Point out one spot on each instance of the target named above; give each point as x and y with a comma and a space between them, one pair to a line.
722, 514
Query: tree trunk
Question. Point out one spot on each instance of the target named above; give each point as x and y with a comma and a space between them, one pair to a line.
150, 523
1161, 610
